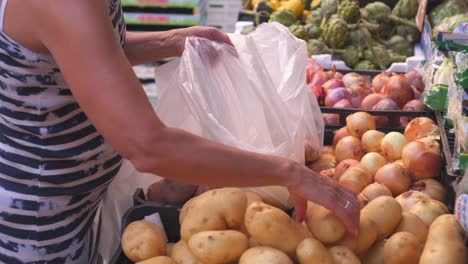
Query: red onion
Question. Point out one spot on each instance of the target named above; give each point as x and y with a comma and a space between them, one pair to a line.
332, 84
423, 161
379, 81
415, 79
337, 95
413, 105
384, 104
351, 78
398, 89
318, 92
343, 103
369, 101
331, 119
339, 134
359, 91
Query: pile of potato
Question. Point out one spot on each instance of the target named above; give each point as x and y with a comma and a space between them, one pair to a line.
229, 225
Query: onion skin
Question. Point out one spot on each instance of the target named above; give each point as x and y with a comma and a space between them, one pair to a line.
409, 198
431, 188
373, 161
339, 134
324, 162
398, 89
319, 78
369, 101
394, 177
343, 103
349, 147
421, 127
343, 166
371, 141
429, 142
331, 119
359, 91
429, 210
330, 173
415, 80
318, 92
413, 105
360, 122
385, 104
392, 146
379, 81
373, 191
337, 95
328, 149
332, 84
355, 178
351, 78
422, 161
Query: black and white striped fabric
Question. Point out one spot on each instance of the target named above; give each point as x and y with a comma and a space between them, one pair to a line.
54, 165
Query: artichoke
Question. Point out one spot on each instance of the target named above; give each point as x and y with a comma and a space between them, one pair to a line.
359, 36
400, 45
314, 17
316, 46
380, 56
410, 33
299, 31
313, 31
351, 55
335, 33
328, 7
365, 65
349, 11
284, 17
406, 8
380, 13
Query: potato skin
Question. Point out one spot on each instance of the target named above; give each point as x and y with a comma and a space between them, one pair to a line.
343, 255
413, 224
252, 197
445, 242
375, 255
386, 213
272, 227
158, 260
217, 247
311, 251
142, 240
366, 238
264, 255
181, 254
402, 248
323, 224
217, 209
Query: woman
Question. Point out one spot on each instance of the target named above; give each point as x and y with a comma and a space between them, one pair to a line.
71, 108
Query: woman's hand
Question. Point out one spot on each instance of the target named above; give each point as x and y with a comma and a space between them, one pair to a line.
210, 33
329, 194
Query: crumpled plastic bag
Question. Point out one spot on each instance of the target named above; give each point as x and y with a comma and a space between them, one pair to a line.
253, 97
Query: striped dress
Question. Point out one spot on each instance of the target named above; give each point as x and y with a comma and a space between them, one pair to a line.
54, 164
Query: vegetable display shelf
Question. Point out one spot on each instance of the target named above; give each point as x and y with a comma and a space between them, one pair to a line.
160, 3
161, 19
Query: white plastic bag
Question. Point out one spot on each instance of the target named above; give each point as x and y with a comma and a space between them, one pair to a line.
256, 99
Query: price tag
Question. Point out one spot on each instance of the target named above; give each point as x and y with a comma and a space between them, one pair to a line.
156, 219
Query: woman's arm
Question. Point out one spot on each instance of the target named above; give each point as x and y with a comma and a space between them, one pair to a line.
79, 36
145, 47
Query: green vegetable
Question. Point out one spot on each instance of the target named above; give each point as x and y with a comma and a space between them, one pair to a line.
380, 13
349, 11
449, 24
299, 31
284, 17
316, 46
410, 33
264, 6
381, 56
365, 65
447, 9
313, 31
314, 17
335, 33
351, 55
359, 36
400, 45
406, 8
329, 7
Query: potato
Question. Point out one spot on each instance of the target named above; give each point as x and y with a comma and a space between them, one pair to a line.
428, 210
181, 254
367, 236
170, 192
253, 242
272, 227
402, 248
264, 255
445, 242
216, 247
413, 224
375, 255
386, 212
311, 251
217, 209
324, 225
252, 197
343, 255
158, 260
142, 240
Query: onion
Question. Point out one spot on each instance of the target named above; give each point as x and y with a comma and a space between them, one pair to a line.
360, 122
421, 127
319, 78
392, 145
332, 84
355, 178
379, 81
339, 134
343, 166
359, 91
394, 177
417, 94
431, 188
328, 149
336, 95
331, 119
413, 105
429, 142
373, 191
398, 89
330, 173
399, 162
324, 162
384, 104
369, 101
422, 161
373, 161
409, 198
352, 78
371, 141
349, 147
312, 152
415, 80
337, 75
343, 103
318, 92
429, 210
